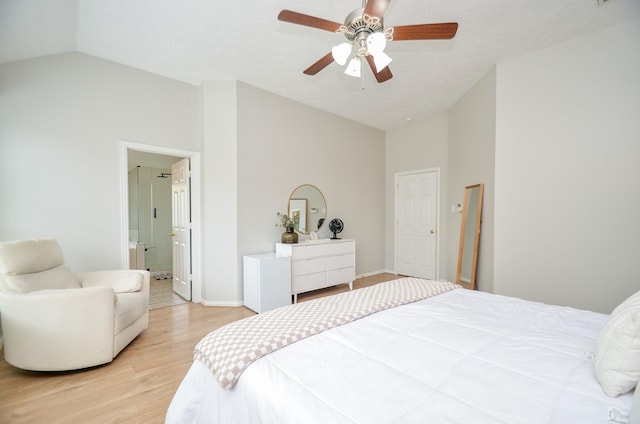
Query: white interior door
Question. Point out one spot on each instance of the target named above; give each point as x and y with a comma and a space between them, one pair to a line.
416, 224
181, 228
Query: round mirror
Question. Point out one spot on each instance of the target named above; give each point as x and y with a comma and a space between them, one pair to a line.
307, 208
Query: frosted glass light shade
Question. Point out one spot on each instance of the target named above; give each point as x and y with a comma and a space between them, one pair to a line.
341, 53
353, 69
376, 43
381, 60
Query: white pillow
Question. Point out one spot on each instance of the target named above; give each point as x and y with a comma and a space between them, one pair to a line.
631, 301
618, 350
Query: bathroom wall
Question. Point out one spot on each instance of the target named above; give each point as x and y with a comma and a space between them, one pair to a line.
150, 214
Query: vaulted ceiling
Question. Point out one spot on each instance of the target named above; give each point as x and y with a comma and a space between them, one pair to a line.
204, 40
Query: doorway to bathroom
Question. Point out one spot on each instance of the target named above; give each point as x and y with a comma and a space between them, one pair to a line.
148, 209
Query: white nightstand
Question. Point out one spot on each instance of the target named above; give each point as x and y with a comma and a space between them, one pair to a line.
267, 281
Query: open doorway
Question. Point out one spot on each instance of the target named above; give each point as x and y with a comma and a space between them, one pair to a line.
147, 218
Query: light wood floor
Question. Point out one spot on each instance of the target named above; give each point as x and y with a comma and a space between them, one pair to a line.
161, 294
139, 384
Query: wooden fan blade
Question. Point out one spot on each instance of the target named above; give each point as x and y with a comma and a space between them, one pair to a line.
376, 7
383, 75
306, 20
444, 31
319, 65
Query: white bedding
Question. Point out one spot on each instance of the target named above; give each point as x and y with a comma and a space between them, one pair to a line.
459, 357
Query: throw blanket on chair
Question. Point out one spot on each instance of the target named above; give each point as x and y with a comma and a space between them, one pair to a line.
229, 350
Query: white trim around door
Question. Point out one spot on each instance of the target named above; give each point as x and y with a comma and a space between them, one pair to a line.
196, 261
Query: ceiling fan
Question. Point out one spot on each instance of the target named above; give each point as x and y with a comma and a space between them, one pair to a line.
367, 38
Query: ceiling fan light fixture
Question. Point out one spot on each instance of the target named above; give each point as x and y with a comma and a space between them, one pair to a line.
341, 53
376, 43
381, 60
354, 68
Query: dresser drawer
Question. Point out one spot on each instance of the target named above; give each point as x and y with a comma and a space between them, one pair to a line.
311, 251
341, 261
342, 275
308, 282
321, 249
342, 247
307, 266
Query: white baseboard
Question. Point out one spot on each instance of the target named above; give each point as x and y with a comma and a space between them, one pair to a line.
222, 303
369, 274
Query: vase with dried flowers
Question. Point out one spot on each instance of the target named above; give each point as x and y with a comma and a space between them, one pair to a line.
289, 236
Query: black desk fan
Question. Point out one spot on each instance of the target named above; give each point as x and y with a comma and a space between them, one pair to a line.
336, 226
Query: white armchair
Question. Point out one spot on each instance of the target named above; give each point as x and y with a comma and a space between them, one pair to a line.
54, 320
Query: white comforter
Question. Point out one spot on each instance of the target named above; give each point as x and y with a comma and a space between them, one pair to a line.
460, 357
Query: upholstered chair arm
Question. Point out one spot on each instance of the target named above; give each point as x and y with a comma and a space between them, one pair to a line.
52, 330
122, 280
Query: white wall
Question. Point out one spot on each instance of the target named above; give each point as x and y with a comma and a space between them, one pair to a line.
568, 171
283, 144
220, 194
258, 147
417, 146
471, 153
62, 120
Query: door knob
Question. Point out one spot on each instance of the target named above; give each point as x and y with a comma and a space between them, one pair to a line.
172, 234
432, 231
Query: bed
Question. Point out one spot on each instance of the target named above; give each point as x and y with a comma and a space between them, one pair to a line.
458, 356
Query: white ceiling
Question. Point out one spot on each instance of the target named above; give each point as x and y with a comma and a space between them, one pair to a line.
205, 40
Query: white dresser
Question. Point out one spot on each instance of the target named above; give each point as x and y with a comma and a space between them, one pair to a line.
320, 263
267, 281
